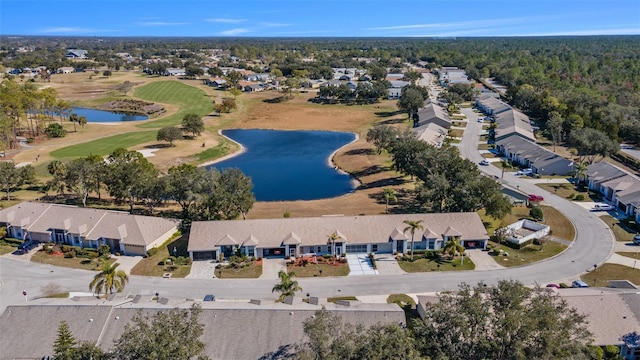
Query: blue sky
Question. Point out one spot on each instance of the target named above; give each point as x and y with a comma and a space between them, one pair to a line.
313, 18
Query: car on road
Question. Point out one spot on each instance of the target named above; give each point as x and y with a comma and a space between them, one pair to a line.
527, 171
553, 286
535, 198
579, 284
484, 162
603, 207
209, 298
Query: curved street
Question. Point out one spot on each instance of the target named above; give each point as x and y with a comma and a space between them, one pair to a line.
594, 244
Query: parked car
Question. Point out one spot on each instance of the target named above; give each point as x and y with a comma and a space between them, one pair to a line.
484, 162
553, 286
27, 246
603, 207
535, 198
636, 240
579, 284
480, 120
209, 298
527, 171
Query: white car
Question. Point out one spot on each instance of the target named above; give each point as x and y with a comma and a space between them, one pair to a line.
484, 162
527, 171
603, 207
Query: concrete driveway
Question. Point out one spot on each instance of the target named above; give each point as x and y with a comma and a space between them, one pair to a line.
204, 269
482, 259
360, 264
387, 265
271, 268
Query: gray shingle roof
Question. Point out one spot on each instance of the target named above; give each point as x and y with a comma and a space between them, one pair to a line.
432, 113
489, 102
255, 331
316, 230
514, 122
92, 223
536, 154
603, 171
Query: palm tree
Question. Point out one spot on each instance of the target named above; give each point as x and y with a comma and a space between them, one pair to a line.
389, 195
452, 247
581, 171
287, 286
108, 279
412, 226
332, 241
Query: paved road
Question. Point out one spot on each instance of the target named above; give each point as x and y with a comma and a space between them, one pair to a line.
594, 245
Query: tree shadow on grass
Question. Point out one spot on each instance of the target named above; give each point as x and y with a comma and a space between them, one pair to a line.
360, 151
374, 169
395, 181
388, 113
180, 245
275, 100
157, 146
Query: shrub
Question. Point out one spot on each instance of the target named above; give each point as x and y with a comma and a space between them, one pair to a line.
70, 254
372, 258
12, 241
579, 197
536, 213
573, 195
611, 352
152, 251
563, 286
55, 130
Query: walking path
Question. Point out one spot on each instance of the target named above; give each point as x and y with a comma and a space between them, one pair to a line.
360, 264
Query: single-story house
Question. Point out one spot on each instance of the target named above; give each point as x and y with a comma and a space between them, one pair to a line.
272, 329
262, 77
452, 75
86, 227
534, 156
247, 86
490, 105
216, 83
513, 122
431, 133
601, 172
624, 192
432, 113
175, 72
65, 70
76, 54
287, 237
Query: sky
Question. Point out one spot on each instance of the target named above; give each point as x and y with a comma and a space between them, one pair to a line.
319, 18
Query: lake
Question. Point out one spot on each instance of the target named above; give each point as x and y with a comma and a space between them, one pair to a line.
290, 165
94, 115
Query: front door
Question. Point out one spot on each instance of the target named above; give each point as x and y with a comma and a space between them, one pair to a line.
292, 251
338, 250
400, 246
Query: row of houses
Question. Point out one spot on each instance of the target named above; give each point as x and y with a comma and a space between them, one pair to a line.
85, 227
515, 139
617, 186
450, 75
431, 123
281, 238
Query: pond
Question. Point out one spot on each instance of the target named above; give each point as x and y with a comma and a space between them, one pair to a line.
290, 165
94, 115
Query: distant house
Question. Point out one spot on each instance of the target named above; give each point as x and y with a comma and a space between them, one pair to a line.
262, 77
77, 54
490, 105
453, 75
534, 156
87, 228
65, 70
217, 83
623, 192
395, 90
175, 72
282, 238
248, 86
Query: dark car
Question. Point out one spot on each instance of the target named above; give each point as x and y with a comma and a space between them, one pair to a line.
209, 298
27, 246
553, 286
535, 198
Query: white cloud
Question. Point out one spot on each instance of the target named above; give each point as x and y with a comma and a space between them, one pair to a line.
226, 20
160, 23
459, 25
587, 32
74, 30
233, 32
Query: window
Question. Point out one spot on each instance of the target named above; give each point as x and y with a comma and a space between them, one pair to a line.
374, 247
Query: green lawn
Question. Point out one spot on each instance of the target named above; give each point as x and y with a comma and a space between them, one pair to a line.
528, 254
5, 249
154, 265
75, 263
605, 272
248, 272
319, 270
223, 148
400, 299
189, 99
485, 147
425, 265
456, 132
105, 146
621, 233
565, 190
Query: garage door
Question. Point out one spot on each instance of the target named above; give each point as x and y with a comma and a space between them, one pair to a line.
274, 253
204, 255
356, 249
